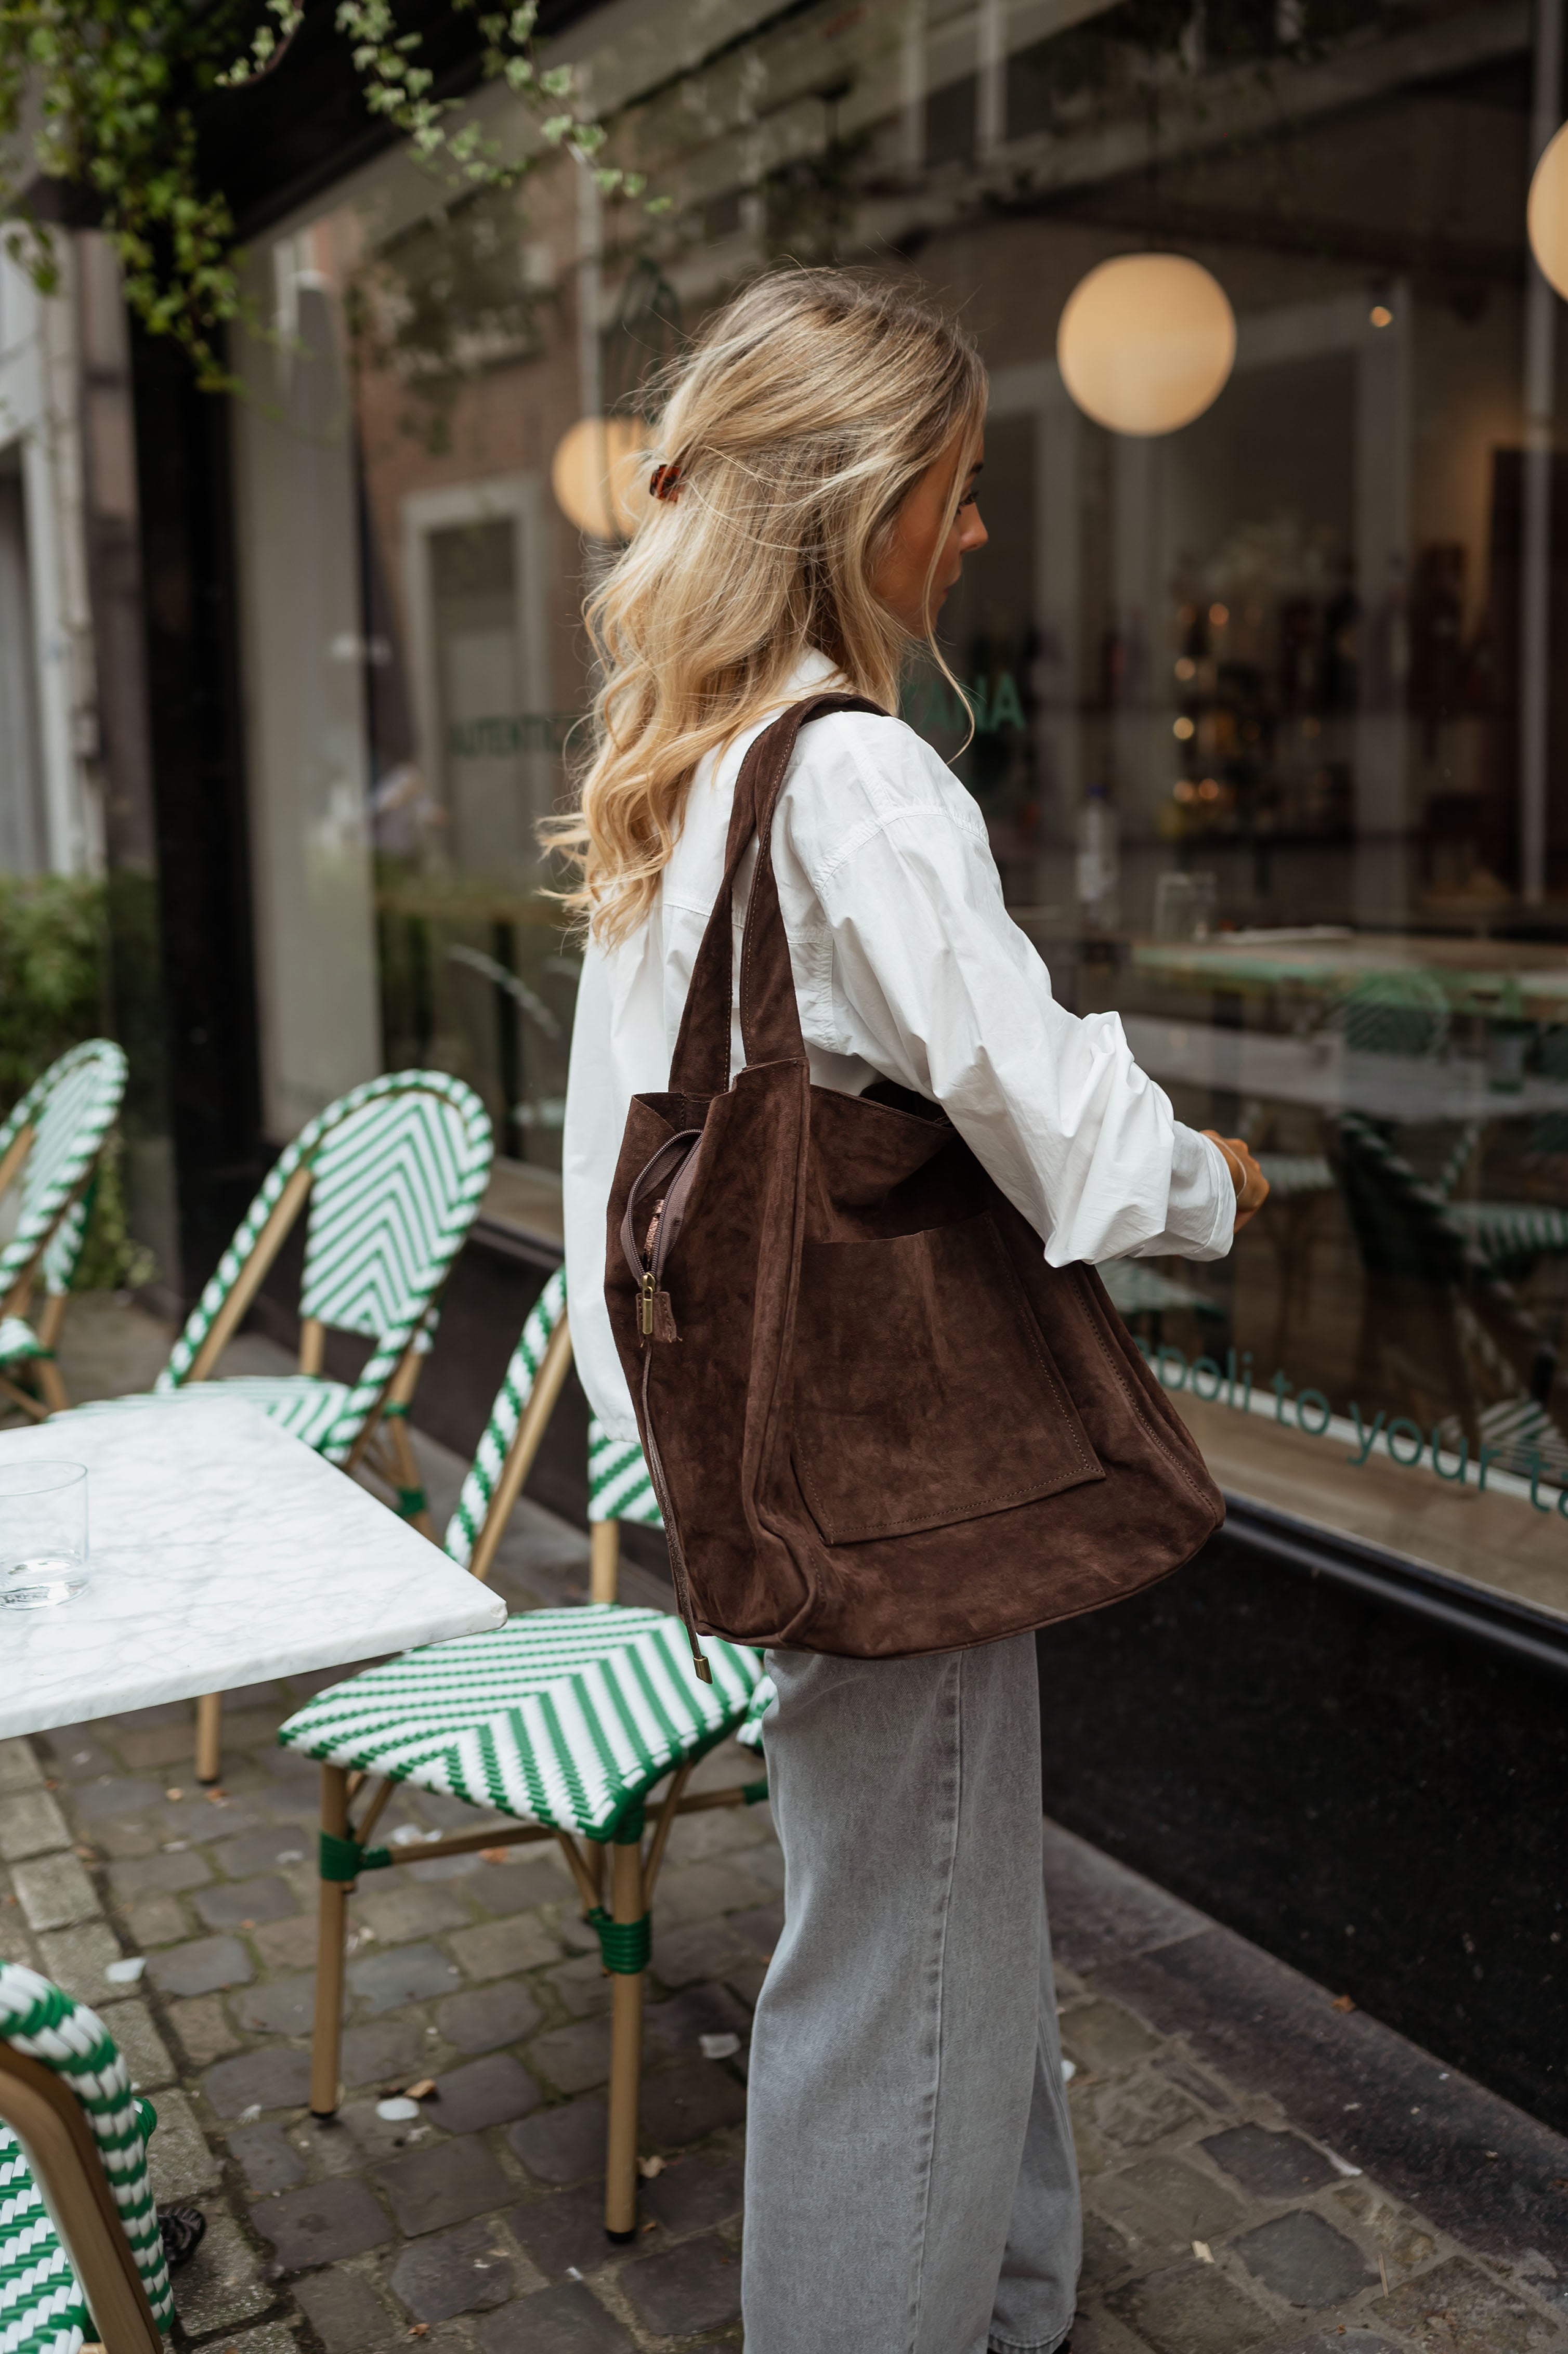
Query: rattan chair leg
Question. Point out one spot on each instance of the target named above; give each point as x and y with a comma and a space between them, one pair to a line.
209, 1738
332, 1929
625, 2052
409, 1478
604, 1560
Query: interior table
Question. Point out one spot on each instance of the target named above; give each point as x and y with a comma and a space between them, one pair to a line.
222, 1552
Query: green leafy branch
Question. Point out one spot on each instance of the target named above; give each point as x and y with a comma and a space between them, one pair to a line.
104, 96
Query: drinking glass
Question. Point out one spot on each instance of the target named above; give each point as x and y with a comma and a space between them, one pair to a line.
43, 1533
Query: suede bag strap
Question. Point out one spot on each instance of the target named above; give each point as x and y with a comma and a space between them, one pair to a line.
769, 1018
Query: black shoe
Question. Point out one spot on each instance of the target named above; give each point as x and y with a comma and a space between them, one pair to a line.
182, 2231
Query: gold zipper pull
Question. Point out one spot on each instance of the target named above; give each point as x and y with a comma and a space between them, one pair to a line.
645, 1313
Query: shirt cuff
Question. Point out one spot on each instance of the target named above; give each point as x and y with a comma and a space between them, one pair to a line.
1200, 1214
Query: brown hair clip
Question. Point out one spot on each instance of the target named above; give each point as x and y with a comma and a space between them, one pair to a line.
664, 482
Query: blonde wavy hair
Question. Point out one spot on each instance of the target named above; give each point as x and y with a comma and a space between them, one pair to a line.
803, 414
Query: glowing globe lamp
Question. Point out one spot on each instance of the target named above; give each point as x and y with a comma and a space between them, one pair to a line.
1547, 214
1147, 341
599, 475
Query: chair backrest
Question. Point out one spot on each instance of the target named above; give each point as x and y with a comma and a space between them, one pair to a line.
619, 1486
395, 1169
69, 1111
42, 2305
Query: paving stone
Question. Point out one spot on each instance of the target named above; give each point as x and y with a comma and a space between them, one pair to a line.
1106, 2254
694, 2194
275, 2077
131, 1837
116, 1795
1103, 2036
564, 2320
465, 2270
204, 1820
447, 2184
282, 2007
1143, 2111
1408, 2246
345, 2311
695, 2286
204, 2030
1271, 2165
267, 2158
77, 1959
405, 1909
201, 1966
762, 1926
322, 2225
1161, 2200
54, 1891
444, 1867
1190, 2309
20, 1767
582, 1985
684, 2104
573, 2058
745, 1982
234, 1904
142, 1875
686, 2018
275, 2338
386, 1981
158, 1744
377, 2137
696, 1891
494, 1949
30, 1824
564, 2230
517, 1887
146, 2055
222, 2283
562, 2144
287, 1945
484, 2017
1457, 2308
1353, 2341
156, 1921
489, 2091
179, 2162
386, 2049
262, 1850
74, 1753
1304, 2260
707, 1949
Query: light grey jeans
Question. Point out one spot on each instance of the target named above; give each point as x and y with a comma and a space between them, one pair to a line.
910, 2186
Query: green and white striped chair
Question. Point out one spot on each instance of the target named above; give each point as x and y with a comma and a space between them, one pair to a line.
80, 2253
50, 1149
392, 1174
566, 1720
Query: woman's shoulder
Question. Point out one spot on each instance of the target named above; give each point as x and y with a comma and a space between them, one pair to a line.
857, 770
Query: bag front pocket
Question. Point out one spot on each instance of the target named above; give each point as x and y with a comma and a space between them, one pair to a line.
923, 1392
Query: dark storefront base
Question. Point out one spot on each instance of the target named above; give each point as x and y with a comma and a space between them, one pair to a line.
1356, 1764
1379, 1800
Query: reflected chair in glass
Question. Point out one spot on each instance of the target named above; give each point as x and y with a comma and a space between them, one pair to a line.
389, 1177
565, 1719
80, 2253
50, 1148
1441, 1326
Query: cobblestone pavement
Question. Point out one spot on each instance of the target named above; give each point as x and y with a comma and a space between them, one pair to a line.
1261, 2169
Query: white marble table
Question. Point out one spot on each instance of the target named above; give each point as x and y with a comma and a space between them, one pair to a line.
224, 1552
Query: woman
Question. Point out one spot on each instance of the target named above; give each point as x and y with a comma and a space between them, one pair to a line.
910, 2184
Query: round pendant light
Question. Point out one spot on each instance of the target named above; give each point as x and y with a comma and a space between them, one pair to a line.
598, 475
1547, 213
1147, 341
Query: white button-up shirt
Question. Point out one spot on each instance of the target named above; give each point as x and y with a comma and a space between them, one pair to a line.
907, 967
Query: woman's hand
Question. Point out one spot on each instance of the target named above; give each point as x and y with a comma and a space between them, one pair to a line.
1250, 1184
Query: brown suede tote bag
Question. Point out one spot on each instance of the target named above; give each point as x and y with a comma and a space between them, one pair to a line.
878, 1423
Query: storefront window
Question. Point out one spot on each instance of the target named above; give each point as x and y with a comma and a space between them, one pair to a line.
1267, 710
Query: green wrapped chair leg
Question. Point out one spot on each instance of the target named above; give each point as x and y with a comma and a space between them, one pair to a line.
566, 1720
80, 2256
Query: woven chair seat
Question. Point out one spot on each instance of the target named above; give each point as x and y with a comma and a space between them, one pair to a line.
750, 1734
307, 1408
17, 1339
562, 1717
42, 2310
